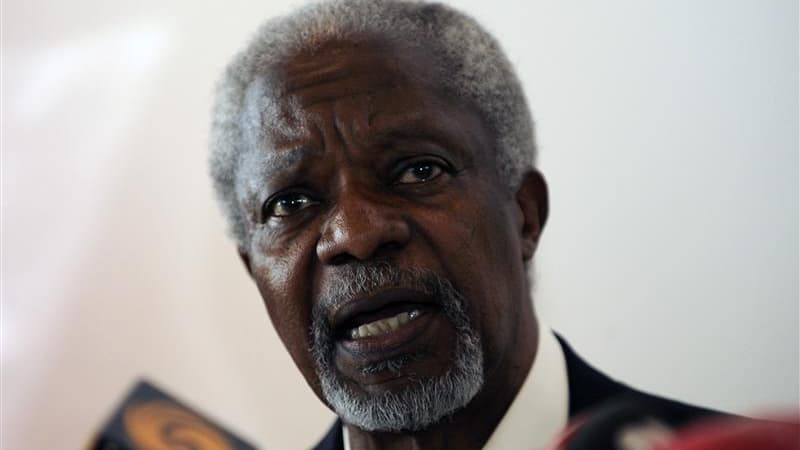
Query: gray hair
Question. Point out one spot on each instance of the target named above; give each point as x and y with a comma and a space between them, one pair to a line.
477, 72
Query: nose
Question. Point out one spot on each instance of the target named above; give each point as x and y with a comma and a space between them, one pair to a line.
360, 228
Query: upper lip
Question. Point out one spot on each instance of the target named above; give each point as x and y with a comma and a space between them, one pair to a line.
376, 301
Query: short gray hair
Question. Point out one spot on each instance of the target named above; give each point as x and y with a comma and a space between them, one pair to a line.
478, 73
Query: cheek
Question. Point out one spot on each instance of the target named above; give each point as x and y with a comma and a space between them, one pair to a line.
283, 280
476, 243
476, 236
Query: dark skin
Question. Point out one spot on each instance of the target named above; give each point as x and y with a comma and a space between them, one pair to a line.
378, 163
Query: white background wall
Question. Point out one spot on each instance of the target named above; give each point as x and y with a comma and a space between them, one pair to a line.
669, 136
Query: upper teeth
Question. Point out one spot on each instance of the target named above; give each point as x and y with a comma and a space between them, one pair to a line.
383, 325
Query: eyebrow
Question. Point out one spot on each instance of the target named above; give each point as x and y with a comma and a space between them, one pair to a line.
414, 130
411, 132
414, 124
282, 160
285, 158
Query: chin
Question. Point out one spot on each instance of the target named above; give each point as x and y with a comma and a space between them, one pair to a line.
403, 402
393, 396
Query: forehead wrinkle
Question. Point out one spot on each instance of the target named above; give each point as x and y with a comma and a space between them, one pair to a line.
333, 62
350, 118
265, 113
414, 124
331, 90
313, 81
323, 74
283, 160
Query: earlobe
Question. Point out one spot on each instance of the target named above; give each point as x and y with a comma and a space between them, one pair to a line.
245, 257
532, 200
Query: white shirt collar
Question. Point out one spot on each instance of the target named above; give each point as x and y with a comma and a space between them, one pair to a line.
541, 408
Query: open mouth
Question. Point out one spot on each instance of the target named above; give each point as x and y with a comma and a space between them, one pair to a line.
392, 337
383, 326
382, 322
384, 319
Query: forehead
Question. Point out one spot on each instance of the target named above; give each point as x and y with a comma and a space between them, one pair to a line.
340, 68
366, 77
371, 90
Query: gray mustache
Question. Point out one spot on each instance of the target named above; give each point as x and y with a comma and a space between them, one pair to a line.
362, 279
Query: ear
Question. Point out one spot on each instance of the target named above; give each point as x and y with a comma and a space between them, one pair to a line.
245, 257
533, 205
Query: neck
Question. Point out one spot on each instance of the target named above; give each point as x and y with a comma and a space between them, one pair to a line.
471, 427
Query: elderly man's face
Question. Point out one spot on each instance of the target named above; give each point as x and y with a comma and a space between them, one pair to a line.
376, 210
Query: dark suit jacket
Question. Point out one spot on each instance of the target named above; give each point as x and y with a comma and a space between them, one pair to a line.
589, 391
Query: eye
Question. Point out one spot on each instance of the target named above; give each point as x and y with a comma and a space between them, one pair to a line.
419, 172
286, 204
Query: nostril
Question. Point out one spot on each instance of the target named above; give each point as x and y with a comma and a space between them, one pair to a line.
342, 259
388, 249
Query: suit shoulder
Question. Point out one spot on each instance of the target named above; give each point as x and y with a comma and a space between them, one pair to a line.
333, 438
591, 390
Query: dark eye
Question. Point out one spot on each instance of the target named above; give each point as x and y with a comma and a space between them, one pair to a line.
287, 204
419, 172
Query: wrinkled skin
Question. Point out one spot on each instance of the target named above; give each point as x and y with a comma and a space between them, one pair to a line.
377, 163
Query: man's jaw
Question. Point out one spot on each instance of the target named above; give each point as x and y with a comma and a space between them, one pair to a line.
403, 377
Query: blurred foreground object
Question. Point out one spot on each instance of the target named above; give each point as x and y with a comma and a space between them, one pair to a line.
630, 425
150, 419
739, 434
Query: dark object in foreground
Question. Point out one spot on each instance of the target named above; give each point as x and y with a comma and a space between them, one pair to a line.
737, 434
150, 419
635, 425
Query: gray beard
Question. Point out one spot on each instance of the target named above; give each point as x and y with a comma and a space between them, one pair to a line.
423, 402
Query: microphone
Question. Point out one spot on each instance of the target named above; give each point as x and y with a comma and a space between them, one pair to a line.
739, 434
627, 424
150, 419
622, 424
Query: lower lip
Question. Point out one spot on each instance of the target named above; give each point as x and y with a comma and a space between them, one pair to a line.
392, 343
